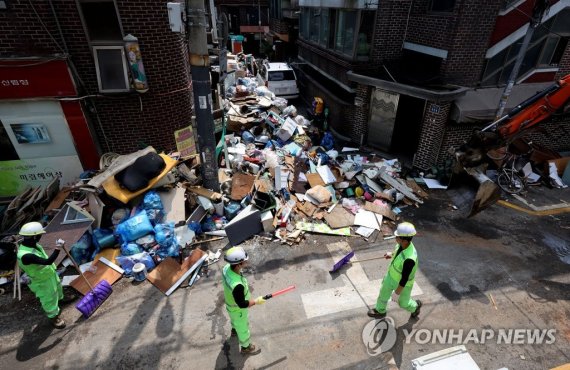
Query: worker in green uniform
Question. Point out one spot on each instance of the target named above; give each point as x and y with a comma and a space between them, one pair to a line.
399, 279
45, 282
237, 297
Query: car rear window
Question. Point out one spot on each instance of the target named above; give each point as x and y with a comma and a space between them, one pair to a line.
281, 76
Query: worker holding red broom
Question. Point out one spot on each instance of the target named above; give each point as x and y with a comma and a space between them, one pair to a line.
237, 297
399, 279
45, 282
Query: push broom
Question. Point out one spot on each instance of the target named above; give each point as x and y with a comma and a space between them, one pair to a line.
96, 295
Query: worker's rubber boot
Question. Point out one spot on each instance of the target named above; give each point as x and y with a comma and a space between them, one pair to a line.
375, 314
250, 350
416, 313
234, 333
57, 322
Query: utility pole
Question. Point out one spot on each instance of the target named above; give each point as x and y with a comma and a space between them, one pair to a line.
200, 70
538, 10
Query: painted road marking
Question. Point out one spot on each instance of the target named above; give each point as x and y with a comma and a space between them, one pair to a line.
356, 288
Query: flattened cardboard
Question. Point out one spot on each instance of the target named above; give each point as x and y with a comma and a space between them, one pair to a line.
315, 179
307, 208
339, 217
241, 186
384, 211
169, 272
101, 272
213, 196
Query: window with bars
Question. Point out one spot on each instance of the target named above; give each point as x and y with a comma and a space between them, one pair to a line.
103, 29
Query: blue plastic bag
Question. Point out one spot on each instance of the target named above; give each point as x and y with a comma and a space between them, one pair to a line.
129, 249
165, 237
196, 227
127, 262
135, 227
328, 141
153, 207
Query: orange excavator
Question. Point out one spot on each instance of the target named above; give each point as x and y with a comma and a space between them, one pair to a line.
472, 156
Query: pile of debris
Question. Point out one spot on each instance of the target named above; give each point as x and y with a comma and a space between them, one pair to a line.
281, 177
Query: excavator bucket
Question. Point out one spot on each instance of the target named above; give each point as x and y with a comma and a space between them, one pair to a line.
487, 194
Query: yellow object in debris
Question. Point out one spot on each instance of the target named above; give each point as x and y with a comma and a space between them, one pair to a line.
113, 188
108, 253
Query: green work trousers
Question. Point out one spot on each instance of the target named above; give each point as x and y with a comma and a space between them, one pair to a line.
49, 292
240, 322
388, 286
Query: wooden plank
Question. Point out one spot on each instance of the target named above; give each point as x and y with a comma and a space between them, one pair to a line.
59, 199
416, 189
98, 272
339, 217
168, 272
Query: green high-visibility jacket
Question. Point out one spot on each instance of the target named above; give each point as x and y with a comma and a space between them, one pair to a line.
397, 265
230, 280
36, 273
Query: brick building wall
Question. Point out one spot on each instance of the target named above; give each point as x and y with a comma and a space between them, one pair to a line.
432, 134
127, 121
361, 113
389, 30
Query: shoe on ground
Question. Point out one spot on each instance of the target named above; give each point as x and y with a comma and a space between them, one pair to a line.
416, 313
57, 322
251, 350
375, 314
234, 333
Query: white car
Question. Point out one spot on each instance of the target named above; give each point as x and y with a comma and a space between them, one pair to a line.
280, 79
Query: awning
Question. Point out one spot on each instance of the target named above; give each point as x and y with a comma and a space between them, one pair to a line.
481, 104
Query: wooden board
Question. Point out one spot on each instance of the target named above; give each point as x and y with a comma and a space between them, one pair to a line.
241, 186
416, 188
339, 217
101, 272
384, 211
58, 200
168, 272
71, 233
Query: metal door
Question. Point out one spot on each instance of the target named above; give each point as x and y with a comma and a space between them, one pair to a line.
383, 108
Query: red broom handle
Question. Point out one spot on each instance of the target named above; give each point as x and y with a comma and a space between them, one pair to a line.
279, 292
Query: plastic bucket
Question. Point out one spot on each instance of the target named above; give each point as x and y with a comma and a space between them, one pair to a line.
139, 271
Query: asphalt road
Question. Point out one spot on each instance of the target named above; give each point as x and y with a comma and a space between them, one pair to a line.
502, 269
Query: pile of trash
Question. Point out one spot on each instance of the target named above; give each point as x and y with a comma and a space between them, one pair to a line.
146, 215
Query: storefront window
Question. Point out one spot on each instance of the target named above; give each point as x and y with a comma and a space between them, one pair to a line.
314, 25
365, 32
325, 28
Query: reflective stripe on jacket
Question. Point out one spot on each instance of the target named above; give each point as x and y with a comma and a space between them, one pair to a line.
230, 280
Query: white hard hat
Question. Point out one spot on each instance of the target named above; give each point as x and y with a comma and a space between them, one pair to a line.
235, 255
32, 229
405, 229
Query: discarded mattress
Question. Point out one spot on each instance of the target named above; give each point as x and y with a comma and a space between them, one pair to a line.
113, 188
